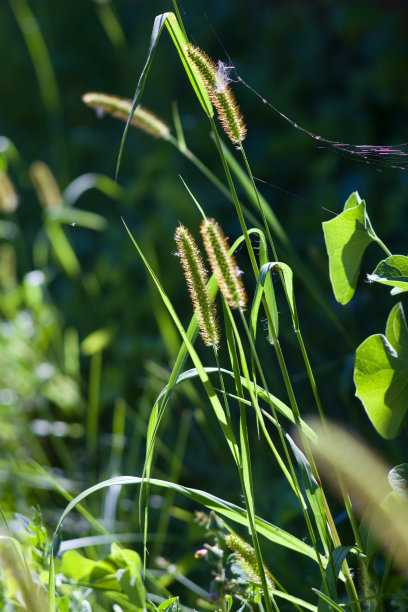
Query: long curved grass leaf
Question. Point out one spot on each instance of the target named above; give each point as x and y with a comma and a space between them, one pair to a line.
280, 406
287, 279
286, 247
180, 41
75, 216
231, 511
333, 570
268, 291
91, 180
313, 492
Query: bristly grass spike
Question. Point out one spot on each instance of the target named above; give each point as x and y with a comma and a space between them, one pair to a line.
121, 108
197, 276
216, 82
223, 264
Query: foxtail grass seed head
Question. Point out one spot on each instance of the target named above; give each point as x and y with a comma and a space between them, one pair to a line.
196, 276
8, 197
216, 82
247, 559
223, 264
121, 108
45, 185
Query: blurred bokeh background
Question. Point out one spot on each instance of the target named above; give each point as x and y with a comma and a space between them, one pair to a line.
337, 68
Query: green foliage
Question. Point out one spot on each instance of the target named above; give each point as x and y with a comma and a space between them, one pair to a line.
381, 361
381, 375
398, 479
81, 365
120, 571
347, 236
393, 272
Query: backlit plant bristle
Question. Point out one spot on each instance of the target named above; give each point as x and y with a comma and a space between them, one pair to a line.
216, 84
121, 109
223, 264
196, 276
45, 185
8, 196
247, 559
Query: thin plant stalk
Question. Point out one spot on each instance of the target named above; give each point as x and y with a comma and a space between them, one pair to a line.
245, 475
313, 386
293, 477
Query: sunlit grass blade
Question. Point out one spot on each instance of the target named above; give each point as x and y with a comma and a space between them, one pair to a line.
180, 41
75, 216
246, 468
267, 397
313, 493
83, 183
63, 251
254, 400
296, 601
333, 573
212, 502
331, 605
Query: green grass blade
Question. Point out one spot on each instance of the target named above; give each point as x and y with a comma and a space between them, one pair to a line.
333, 571
158, 25
212, 502
332, 604
268, 288
51, 585
286, 246
313, 492
74, 216
295, 600
111, 24
63, 251
216, 404
272, 400
82, 183
180, 41
255, 404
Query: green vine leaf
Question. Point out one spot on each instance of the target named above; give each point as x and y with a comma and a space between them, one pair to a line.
347, 236
381, 375
398, 479
392, 271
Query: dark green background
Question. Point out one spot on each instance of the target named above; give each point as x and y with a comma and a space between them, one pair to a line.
339, 69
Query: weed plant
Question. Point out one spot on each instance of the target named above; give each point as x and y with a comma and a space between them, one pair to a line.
354, 564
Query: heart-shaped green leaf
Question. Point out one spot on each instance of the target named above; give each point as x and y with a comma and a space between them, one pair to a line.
396, 330
347, 236
381, 375
398, 479
392, 271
